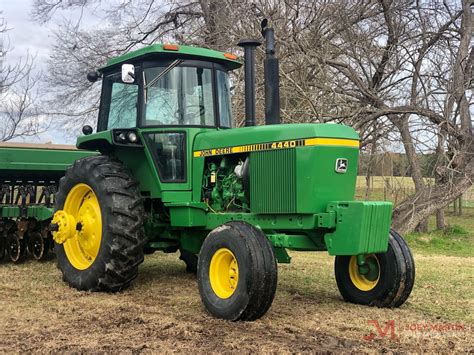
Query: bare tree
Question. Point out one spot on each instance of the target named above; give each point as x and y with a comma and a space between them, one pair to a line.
19, 115
400, 72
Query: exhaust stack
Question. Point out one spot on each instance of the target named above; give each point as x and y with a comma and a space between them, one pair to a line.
272, 79
249, 46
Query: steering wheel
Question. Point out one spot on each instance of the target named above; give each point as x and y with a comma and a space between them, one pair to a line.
188, 114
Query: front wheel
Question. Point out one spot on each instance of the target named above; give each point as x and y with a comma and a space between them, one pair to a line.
237, 272
388, 280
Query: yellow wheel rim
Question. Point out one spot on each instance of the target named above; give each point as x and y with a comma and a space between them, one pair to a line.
224, 273
82, 248
364, 282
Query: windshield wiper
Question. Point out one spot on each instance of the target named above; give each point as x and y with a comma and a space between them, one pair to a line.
164, 72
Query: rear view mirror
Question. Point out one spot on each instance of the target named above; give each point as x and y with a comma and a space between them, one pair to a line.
128, 73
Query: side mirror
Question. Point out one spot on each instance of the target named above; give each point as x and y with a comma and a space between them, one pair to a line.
128, 73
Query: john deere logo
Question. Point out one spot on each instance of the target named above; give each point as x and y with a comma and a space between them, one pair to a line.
341, 165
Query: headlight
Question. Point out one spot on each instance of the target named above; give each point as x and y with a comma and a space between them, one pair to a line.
121, 137
132, 137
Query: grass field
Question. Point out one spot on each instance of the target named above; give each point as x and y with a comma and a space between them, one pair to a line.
163, 311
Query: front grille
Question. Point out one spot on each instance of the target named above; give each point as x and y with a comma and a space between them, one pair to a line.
273, 181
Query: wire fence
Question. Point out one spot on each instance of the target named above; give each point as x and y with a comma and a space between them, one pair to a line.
396, 189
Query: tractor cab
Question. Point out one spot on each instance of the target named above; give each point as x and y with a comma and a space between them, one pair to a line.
162, 96
167, 86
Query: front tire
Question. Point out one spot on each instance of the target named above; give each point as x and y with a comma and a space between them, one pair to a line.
237, 272
389, 282
107, 244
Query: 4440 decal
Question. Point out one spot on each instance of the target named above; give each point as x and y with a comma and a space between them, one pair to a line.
288, 144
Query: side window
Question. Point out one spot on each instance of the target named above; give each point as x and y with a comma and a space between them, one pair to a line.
223, 92
169, 150
121, 103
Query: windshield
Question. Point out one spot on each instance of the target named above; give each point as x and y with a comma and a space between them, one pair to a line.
182, 96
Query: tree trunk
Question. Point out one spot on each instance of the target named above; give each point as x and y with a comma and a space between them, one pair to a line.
372, 158
416, 174
440, 220
438, 169
411, 212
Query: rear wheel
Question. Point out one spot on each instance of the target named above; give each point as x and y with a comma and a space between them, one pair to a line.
16, 248
388, 280
237, 272
99, 217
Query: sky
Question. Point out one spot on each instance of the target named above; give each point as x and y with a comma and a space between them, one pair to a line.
26, 36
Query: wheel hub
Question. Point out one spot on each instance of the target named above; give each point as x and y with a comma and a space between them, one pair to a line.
224, 273
79, 226
367, 277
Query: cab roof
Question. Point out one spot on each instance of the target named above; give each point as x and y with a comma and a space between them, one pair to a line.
179, 51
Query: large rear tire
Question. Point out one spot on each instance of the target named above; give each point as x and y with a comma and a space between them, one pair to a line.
237, 272
107, 245
389, 282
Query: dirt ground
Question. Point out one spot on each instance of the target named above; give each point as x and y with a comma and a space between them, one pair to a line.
163, 312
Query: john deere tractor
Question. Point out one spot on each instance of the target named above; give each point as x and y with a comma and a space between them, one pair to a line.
172, 174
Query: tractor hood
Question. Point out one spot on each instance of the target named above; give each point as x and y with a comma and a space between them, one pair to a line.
241, 140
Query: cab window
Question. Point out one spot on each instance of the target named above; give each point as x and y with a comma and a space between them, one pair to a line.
120, 105
169, 152
182, 96
223, 94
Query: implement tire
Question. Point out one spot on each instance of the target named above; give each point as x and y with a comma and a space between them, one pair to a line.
107, 247
190, 259
16, 248
237, 272
3, 242
38, 246
393, 284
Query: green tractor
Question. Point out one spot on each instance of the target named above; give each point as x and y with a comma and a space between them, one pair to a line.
174, 175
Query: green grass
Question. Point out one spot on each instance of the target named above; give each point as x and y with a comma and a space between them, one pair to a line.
456, 240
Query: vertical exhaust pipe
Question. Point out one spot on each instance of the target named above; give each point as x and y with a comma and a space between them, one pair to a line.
272, 79
249, 46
